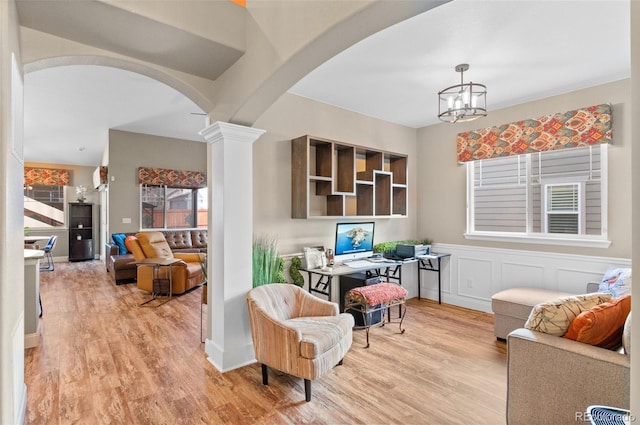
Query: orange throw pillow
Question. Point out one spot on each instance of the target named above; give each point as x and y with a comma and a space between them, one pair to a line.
601, 325
131, 242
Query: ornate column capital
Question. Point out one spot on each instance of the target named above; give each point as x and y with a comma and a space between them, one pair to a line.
223, 131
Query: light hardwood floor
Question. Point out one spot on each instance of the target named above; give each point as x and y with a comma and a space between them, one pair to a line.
102, 359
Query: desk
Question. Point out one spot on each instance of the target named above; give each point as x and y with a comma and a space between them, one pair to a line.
425, 262
158, 282
323, 285
392, 270
33, 239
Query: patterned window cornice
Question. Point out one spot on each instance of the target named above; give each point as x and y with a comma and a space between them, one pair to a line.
578, 128
172, 178
46, 176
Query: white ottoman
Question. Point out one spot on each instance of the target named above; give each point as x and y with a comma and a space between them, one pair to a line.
511, 307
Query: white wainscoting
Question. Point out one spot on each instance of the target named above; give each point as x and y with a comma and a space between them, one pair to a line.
473, 274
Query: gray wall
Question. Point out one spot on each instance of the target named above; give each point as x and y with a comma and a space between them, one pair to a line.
127, 152
293, 116
442, 191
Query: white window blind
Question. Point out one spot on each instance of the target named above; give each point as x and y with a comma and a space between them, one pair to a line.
500, 195
542, 193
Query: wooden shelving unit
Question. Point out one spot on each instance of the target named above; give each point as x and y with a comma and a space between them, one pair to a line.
335, 179
80, 231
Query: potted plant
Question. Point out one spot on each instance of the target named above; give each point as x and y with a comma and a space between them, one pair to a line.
268, 267
294, 271
81, 193
390, 247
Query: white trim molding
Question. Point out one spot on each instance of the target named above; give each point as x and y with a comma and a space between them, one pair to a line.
473, 273
547, 239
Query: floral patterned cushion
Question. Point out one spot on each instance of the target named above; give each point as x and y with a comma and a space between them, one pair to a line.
554, 317
616, 281
377, 294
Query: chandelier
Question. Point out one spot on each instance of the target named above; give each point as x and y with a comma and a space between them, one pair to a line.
464, 101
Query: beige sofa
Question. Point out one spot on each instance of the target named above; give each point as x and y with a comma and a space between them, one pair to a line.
552, 380
511, 307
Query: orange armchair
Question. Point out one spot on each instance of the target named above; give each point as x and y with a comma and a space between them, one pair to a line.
185, 274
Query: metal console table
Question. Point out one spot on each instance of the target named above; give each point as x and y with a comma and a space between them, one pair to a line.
389, 269
160, 285
323, 285
426, 263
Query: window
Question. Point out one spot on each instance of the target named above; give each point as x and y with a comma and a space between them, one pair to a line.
163, 207
44, 206
549, 197
562, 212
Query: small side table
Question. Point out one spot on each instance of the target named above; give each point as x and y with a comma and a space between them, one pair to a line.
425, 263
159, 286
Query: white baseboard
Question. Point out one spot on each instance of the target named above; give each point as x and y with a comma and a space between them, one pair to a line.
31, 340
228, 360
21, 414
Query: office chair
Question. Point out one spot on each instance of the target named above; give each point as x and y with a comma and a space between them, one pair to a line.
48, 253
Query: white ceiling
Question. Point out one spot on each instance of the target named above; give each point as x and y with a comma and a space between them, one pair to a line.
521, 50
70, 109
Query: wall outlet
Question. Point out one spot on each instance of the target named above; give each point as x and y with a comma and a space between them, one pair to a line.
126, 220
469, 283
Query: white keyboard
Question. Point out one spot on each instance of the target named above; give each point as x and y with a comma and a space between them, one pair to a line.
357, 264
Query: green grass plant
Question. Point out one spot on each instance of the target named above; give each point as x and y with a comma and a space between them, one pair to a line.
268, 267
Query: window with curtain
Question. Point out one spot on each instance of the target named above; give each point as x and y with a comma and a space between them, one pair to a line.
555, 195
164, 207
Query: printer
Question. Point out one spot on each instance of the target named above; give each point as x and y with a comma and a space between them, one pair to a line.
411, 250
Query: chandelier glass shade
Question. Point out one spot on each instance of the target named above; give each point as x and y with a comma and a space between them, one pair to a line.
464, 101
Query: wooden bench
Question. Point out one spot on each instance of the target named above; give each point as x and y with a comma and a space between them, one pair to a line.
372, 298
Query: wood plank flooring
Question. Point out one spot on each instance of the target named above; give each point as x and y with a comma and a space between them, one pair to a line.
102, 359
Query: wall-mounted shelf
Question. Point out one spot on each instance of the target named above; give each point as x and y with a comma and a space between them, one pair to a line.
335, 179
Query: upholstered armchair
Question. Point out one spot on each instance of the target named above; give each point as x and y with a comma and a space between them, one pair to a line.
296, 332
185, 274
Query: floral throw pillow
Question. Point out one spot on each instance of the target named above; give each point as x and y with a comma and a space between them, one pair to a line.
616, 281
554, 317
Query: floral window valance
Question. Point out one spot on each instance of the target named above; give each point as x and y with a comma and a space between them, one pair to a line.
172, 178
578, 128
46, 176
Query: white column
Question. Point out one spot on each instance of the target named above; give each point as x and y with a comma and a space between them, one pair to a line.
230, 240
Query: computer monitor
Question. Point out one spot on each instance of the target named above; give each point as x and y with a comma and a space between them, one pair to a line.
354, 240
